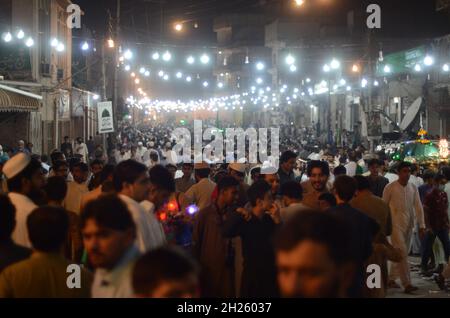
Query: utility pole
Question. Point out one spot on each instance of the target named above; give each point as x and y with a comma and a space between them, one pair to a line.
116, 69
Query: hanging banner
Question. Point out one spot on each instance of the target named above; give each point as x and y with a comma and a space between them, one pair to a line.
402, 62
64, 105
105, 118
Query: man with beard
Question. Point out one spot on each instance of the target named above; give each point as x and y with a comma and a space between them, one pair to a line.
312, 263
25, 180
109, 235
376, 181
318, 173
77, 188
132, 183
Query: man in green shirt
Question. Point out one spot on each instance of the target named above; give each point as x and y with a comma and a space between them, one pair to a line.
46, 274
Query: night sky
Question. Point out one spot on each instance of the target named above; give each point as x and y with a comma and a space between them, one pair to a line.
141, 19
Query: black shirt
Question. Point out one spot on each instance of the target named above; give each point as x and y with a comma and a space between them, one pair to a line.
11, 253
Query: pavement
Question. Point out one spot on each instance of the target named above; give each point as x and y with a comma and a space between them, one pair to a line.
427, 286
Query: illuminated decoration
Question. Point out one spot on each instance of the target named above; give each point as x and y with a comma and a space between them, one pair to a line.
417, 68
29, 42
428, 60
290, 60
260, 66
54, 43
192, 209
127, 68
7, 37
443, 148
293, 68
60, 47
387, 69
128, 55
335, 64
190, 60
111, 43
422, 133
155, 56
167, 56
326, 68
446, 68
204, 59
85, 46
188, 79
20, 35
355, 68
299, 3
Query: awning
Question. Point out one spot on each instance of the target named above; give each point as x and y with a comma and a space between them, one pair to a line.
15, 100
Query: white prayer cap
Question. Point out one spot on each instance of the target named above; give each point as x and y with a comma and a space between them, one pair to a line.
140, 144
16, 165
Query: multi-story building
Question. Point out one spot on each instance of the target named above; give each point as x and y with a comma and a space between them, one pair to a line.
43, 69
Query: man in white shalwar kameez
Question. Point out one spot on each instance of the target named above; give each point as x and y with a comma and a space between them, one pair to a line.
404, 202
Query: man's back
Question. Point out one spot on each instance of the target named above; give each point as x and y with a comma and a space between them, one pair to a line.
363, 229
375, 208
43, 275
201, 193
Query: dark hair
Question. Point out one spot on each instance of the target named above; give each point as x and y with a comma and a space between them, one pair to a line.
202, 173
322, 165
292, 190
83, 167
227, 182
287, 155
340, 170
56, 188
7, 218
318, 227
428, 174
163, 264
127, 172
257, 191
414, 168
187, 164
107, 171
439, 177
171, 166
446, 172
96, 162
108, 211
73, 161
328, 197
345, 187
66, 137
402, 165
362, 183
255, 170
59, 163
162, 178
373, 162
47, 228
56, 155
15, 183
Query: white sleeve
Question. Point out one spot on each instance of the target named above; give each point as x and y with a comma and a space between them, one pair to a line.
420, 218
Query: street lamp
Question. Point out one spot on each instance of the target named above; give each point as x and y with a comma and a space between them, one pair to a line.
293, 68
128, 55
326, 68
445, 68
355, 68
387, 69
85, 46
417, 68
60, 47
178, 27
299, 3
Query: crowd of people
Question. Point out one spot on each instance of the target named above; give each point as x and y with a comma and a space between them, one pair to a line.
140, 225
